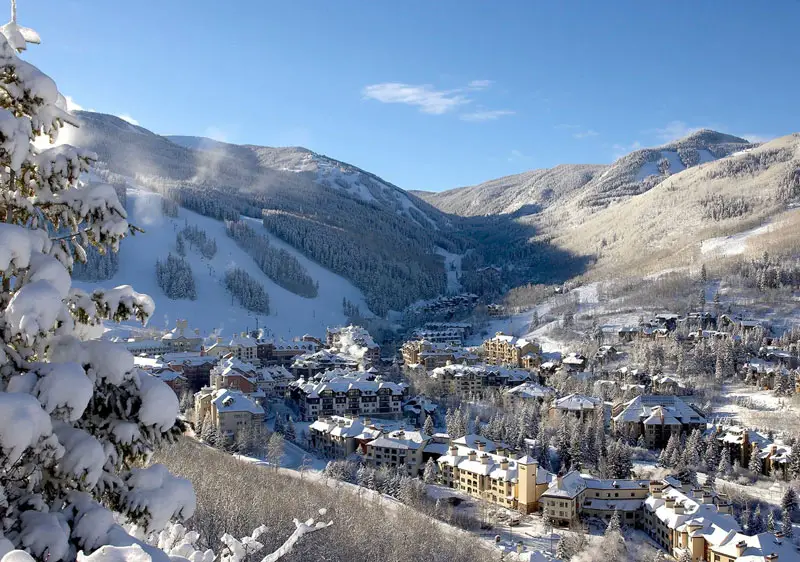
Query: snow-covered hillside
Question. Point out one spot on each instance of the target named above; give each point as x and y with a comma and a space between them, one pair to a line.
589, 185
291, 315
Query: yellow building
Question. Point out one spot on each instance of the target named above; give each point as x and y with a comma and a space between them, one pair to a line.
229, 410
508, 350
514, 484
680, 520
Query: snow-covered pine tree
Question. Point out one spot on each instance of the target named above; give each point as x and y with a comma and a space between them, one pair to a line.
786, 523
789, 499
724, 468
77, 415
428, 427
755, 465
429, 476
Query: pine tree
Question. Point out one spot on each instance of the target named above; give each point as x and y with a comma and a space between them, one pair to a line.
428, 428
755, 465
786, 523
180, 246
430, 473
275, 450
289, 431
789, 500
724, 468
756, 524
771, 521
685, 556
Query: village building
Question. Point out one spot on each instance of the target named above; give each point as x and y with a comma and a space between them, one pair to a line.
242, 346
346, 338
347, 393
401, 447
574, 362
475, 379
448, 336
339, 437
508, 350
657, 418
432, 355
180, 339
531, 391
494, 477
576, 405
229, 411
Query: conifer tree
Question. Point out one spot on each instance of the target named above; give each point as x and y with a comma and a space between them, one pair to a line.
428, 428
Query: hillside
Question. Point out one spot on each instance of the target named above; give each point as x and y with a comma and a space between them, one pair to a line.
588, 185
316, 204
290, 315
714, 210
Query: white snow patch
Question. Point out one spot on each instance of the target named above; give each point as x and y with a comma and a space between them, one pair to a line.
452, 266
735, 244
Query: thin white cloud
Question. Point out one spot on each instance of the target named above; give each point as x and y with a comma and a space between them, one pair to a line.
516, 155
427, 98
585, 134
486, 115
128, 118
479, 84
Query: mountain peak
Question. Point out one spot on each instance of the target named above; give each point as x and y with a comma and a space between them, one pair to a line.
706, 137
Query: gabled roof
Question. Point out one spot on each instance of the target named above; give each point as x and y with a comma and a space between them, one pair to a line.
568, 486
232, 401
577, 402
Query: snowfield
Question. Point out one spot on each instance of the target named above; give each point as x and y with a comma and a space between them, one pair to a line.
733, 245
290, 315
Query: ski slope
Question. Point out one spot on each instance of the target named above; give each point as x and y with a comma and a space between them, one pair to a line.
290, 315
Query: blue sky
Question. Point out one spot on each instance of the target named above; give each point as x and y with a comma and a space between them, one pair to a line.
430, 94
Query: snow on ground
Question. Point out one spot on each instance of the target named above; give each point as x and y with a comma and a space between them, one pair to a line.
452, 266
755, 407
735, 244
651, 168
290, 315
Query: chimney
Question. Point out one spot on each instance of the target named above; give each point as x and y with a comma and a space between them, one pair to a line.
481, 446
707, 497
453, 451
779, 535
656, 487
472, 455
740, 548
560, 480
484, 458
724, 508
670, 503
367, 421
773, 557
679, 508
504, 464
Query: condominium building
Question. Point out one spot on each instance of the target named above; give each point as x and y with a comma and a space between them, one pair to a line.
229, 410
576, 405
347, 393
657, 418
340, 436
508, 350
475, 379
696, 522
494, 477
432, 355
573, 495
398, 448
242, 346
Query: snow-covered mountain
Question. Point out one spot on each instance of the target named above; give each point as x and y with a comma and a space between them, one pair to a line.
587, 184
381, 238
